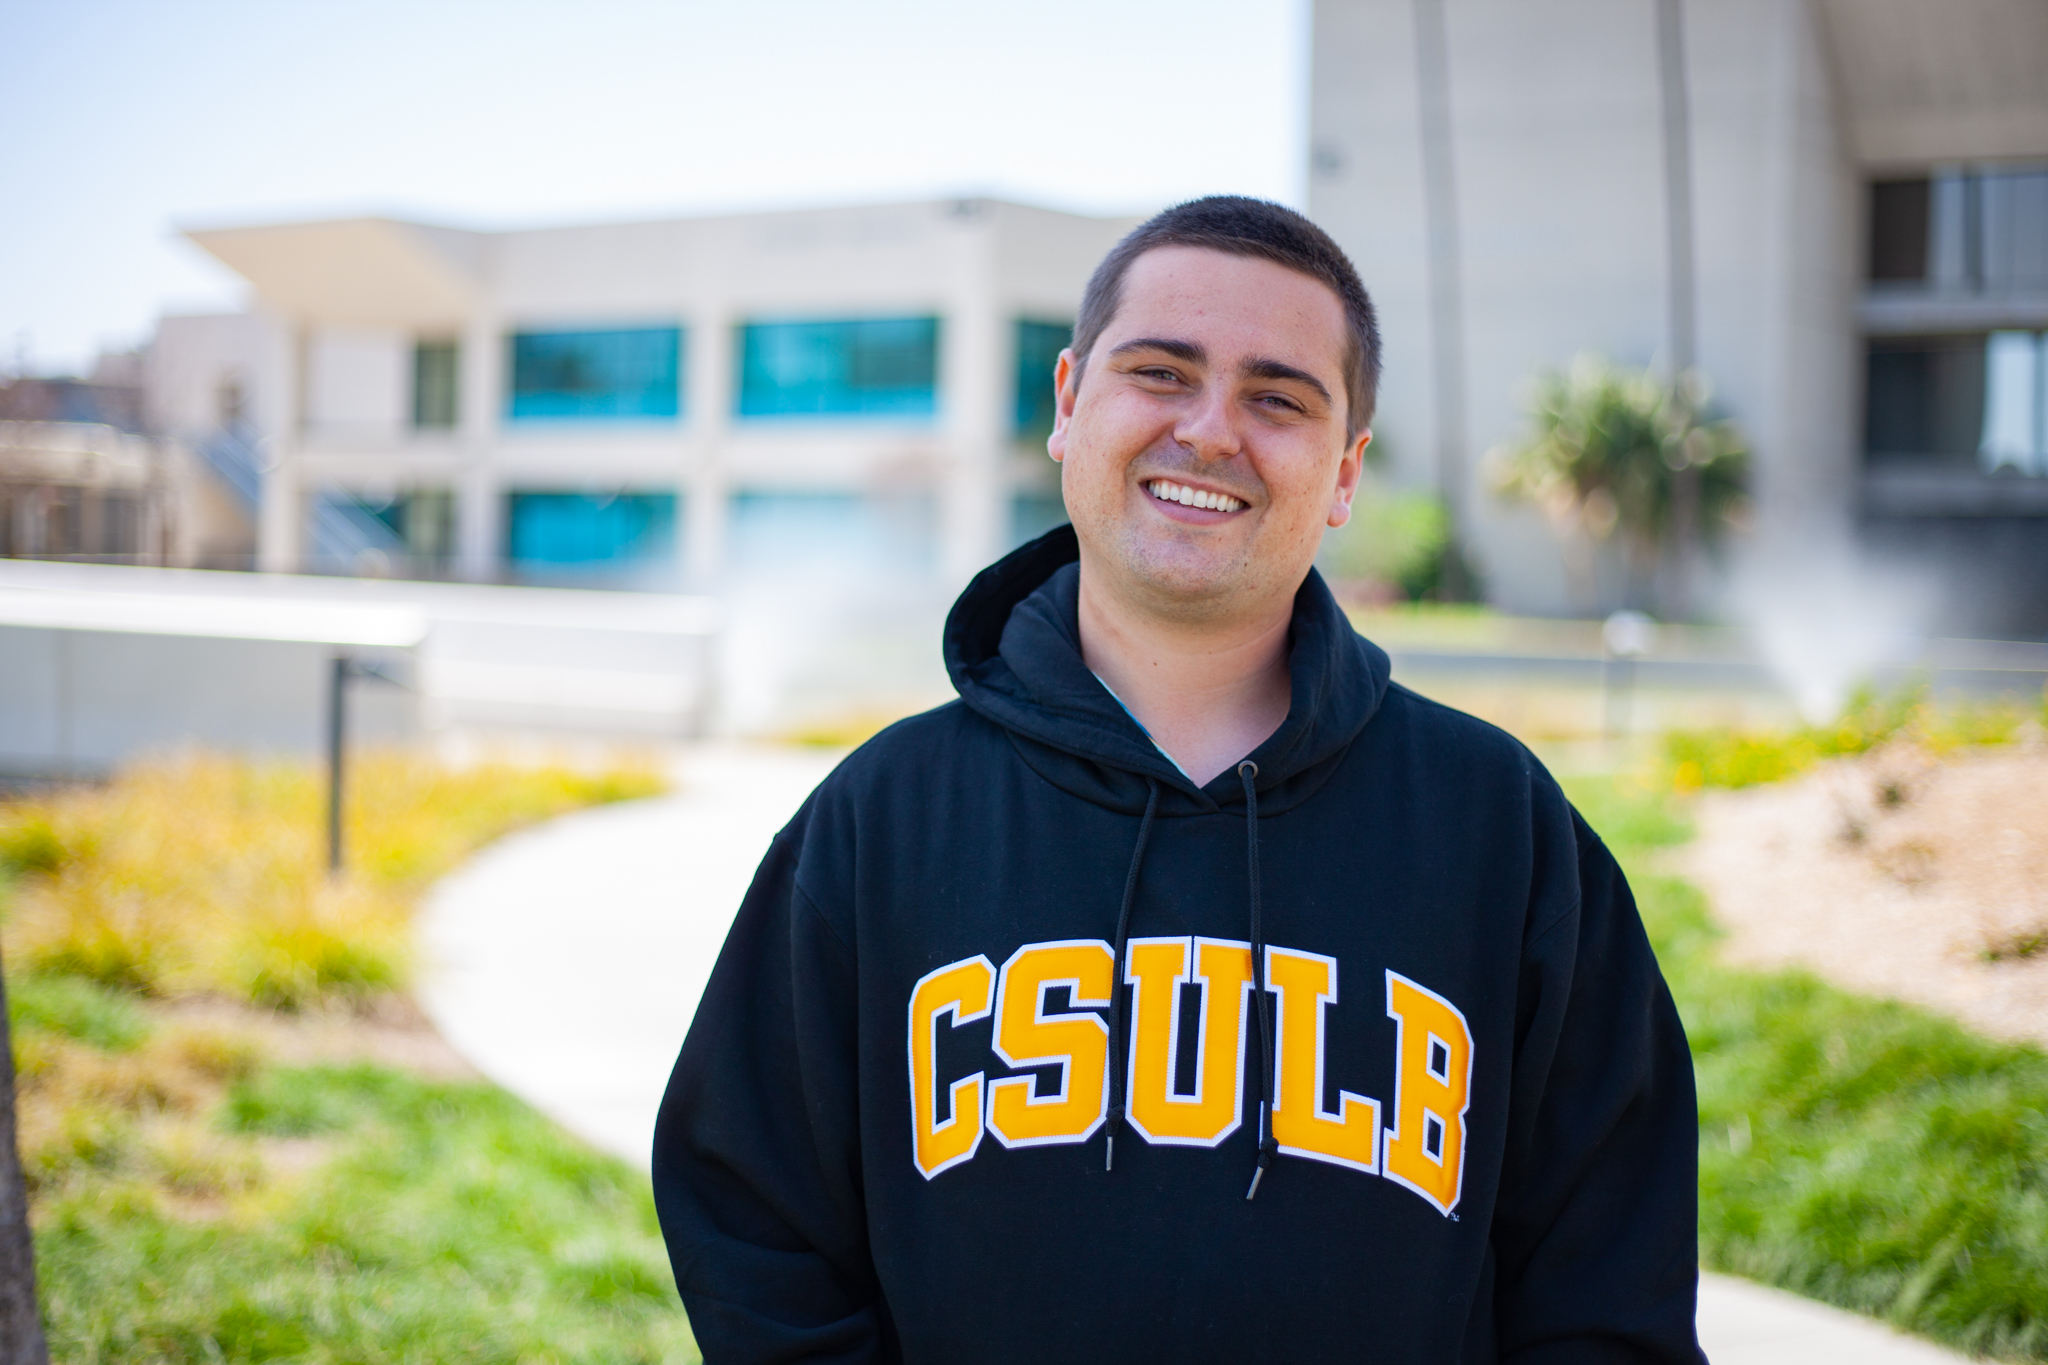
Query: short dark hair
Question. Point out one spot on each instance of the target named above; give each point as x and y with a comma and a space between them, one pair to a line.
1239, 226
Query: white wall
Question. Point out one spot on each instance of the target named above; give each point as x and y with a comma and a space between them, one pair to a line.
194, 357
82, 702
358, 383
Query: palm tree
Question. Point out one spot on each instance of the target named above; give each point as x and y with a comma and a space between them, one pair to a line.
1615, 451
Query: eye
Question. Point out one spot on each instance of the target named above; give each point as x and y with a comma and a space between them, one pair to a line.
1158, 372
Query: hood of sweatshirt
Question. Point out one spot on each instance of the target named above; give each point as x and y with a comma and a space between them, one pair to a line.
1013, 648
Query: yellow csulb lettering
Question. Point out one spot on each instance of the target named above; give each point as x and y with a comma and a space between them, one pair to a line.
1432, 1088
962, 990
1304, 984
1156, 968
1078, 1043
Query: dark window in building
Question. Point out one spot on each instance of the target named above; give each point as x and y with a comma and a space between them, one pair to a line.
596, 376
2012, 214
1038, 349
866, 367
433, 384
1899, 221
1925, 397
555, 533
391, 531
121, 525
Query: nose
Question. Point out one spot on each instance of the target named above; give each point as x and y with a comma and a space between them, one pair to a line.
1208, 425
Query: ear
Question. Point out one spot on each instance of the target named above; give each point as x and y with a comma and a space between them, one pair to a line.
1066, 384
1349, 470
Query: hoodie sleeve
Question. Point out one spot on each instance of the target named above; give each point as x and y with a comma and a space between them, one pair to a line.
1596, 1232
756, 1153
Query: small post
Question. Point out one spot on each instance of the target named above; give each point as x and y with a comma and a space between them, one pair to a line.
1627, 636
337, 713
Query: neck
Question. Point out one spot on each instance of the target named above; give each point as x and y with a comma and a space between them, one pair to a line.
1208, 692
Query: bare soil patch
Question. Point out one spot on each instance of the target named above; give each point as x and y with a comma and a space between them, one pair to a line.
390, 1030
1897, 874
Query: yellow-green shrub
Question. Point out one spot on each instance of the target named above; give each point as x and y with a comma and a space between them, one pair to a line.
1733, 758
201, 874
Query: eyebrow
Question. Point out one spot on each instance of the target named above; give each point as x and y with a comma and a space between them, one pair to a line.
1274, 369
1261, 368
1179, 350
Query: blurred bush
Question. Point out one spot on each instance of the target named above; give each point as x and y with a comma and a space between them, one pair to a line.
206, 875
1733, 758
1391, 550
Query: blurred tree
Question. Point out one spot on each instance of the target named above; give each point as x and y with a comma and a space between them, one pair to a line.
21, 1329
1629, 452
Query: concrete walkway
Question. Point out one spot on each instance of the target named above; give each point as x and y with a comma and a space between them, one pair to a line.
566, 961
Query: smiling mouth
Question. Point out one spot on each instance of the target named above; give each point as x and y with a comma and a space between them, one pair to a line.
1167, 491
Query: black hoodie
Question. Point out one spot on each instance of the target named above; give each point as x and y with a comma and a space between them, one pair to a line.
888, 1136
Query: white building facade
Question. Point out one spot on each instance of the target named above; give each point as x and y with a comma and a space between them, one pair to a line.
1837, 209
663, 404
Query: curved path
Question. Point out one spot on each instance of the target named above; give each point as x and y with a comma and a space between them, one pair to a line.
566, 961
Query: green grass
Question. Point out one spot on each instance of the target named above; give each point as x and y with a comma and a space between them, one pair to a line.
448, 1223
76, 1008
194, 1200
1868, 1154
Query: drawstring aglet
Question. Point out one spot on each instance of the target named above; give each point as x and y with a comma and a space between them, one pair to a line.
1109, 1153
1267, 1146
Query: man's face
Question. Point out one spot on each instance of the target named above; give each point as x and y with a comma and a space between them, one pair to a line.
1204, 448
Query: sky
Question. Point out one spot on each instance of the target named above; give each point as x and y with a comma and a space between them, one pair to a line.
129, 119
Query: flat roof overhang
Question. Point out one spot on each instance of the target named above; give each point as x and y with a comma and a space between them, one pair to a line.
368, 272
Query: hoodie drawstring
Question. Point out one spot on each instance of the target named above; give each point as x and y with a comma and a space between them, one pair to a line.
1248, 772
1119, 1043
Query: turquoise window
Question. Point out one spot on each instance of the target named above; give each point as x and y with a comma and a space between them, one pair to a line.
596, 376
581, 532
1038, 349
865, 367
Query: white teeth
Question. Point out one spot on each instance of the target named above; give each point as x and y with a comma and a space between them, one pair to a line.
1167, 491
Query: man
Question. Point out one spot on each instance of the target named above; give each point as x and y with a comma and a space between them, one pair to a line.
1186, 991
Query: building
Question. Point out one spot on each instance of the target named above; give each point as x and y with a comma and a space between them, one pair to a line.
82, 478
853, 393
1837, 209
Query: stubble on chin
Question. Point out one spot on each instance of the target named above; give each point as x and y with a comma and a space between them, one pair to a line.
1176, 580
